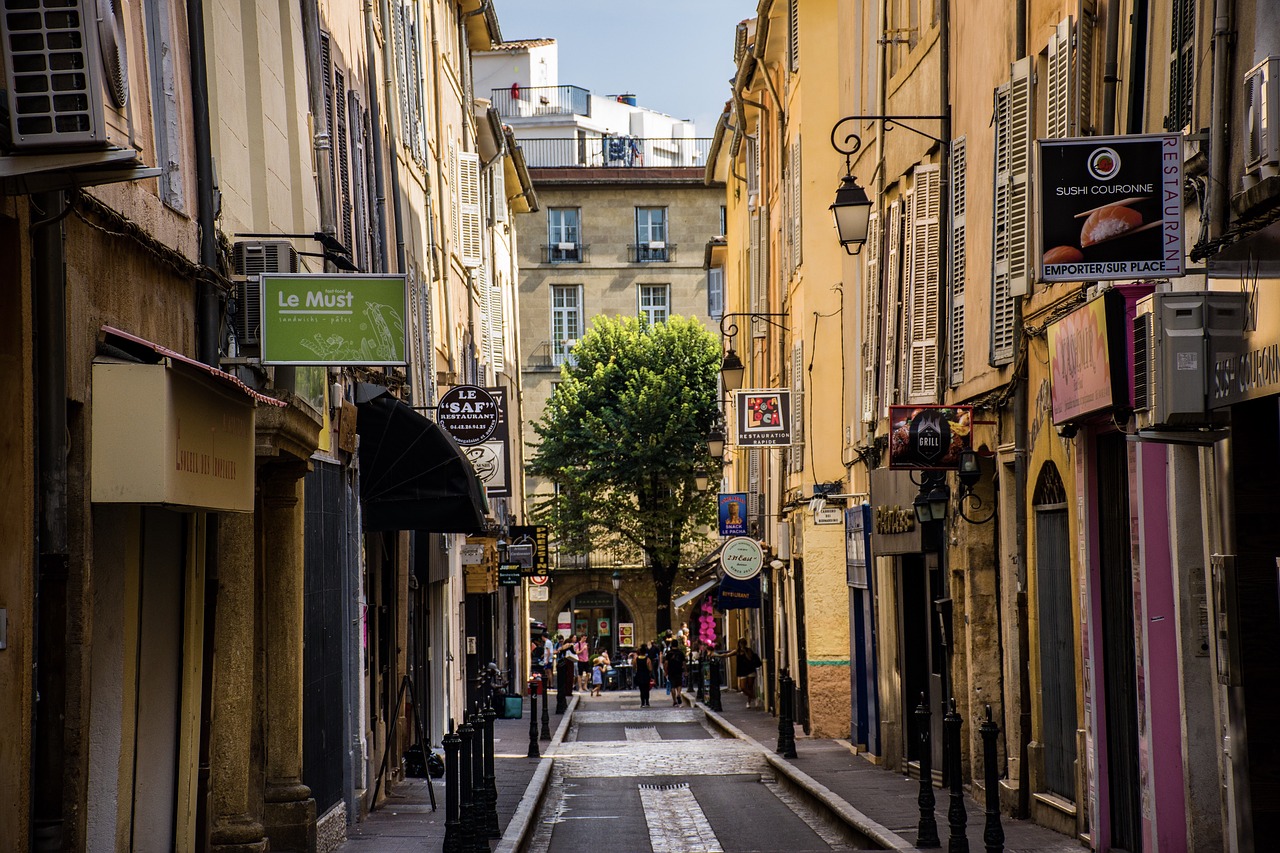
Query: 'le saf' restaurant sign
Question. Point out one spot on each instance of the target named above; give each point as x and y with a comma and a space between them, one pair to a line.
330, 320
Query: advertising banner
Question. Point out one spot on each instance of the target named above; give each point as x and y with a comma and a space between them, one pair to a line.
336, 319
733, 514
1110, 207
929, 438
763, 417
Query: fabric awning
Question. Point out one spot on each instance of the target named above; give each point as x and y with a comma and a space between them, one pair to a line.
413, 475
694, 593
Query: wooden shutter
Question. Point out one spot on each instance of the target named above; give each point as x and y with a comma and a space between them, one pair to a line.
471, 250
796, 210
959, 259
892, 307
871, 320
1182, 38
795, 453
926, 225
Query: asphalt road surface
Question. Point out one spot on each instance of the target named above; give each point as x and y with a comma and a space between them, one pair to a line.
661, 779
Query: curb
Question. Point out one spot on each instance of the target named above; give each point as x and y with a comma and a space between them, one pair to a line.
877, 832
513, 840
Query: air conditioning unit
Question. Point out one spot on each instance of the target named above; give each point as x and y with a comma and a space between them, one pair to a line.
68, 74
1177, 339
1262, 119
252, 260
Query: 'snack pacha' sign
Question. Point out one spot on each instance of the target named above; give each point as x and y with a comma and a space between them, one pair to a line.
338, 319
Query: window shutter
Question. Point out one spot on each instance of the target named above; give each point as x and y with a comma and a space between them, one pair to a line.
471, 249
926, 226
796, 451
959, 259
892, 306
1182, 37
1058, 123
796, 209
793, 36
871, 320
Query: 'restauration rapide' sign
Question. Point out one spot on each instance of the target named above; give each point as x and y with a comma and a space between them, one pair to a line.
337, 319
1110, 207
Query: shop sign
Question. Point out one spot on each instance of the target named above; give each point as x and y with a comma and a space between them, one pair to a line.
1255, 372
733, 513
1084, 378
333, 320
742, 558
1110, 207
468, 413
528, 546
893, 517
763, 417
929, 438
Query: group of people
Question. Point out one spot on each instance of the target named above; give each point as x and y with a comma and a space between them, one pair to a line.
662, 663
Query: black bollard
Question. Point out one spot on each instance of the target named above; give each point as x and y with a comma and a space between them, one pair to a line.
479, 821
993, 832
466, 808
957, 817
452, 825
490, 775
713, 701
927, 831
546, 707
533, 720
786, 724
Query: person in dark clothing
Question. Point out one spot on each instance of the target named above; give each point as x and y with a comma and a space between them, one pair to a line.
674, 665
644, 674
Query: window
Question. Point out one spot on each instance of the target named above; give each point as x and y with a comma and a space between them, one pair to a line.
655, 302
651, 234
566, 320
715, 292
564, 243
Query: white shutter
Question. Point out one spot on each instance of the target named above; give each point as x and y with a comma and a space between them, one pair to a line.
892, 306
1058, 120
871, 320
959, 259
795, 452
922, 386
471, 249
796, 210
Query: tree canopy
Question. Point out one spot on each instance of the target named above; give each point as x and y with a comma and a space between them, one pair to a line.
623, 437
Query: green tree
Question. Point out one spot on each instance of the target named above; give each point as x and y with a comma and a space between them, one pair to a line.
623, 437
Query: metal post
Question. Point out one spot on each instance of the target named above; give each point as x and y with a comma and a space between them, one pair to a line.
452, 825
466, 818
786, 726
533, 720
956, 815
480, 829
993, 833
714, 701
490, 774
927, 830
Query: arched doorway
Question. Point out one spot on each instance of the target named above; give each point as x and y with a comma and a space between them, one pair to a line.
1057, 634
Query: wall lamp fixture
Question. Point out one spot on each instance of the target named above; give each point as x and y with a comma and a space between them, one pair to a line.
852, 208
732, 369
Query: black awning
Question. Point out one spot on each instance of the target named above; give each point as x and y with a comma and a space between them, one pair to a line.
413, 475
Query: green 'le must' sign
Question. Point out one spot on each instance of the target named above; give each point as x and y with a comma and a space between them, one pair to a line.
333, 319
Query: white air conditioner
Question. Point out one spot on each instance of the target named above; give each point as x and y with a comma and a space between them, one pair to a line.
68, 74
1262, 120
252, 259
1177, 339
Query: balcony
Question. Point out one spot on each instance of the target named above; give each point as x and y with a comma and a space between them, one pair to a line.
564, 253
541, 101
610, 152
644, 253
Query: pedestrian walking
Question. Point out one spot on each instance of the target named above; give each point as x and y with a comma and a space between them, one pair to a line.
674, 662
748, 663
644, 673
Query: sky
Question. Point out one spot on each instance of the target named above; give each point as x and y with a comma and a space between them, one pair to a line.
676, 56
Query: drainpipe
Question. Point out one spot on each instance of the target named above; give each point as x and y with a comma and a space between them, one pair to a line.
48, 285
1223, 11
208, 339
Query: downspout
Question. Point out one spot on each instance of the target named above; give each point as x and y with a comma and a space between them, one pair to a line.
208, 344
48, 286
1020, 518
375, 122
442, 273
393, 151
1223, 14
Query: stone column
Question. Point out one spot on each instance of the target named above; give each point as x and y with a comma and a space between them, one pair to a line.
289, 811
237, 826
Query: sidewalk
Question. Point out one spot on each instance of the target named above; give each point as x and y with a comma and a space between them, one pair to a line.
405, 821
881, 803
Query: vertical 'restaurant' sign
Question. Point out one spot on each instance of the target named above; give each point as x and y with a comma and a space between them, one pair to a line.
1110, 207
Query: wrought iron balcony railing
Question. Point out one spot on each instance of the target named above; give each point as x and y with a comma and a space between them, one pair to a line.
614, 152
541, 101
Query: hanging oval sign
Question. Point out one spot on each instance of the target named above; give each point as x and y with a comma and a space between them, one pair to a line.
468, 413
742, 558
